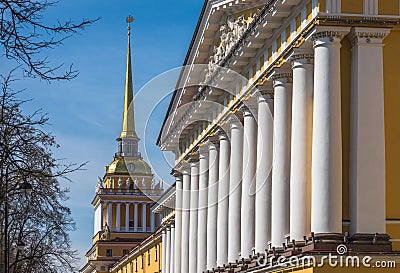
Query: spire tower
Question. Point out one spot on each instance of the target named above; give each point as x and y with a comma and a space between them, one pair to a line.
128, 139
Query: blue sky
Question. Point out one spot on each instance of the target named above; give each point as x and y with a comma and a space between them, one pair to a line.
85, 113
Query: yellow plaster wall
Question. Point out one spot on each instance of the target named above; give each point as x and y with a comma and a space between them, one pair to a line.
322, 5
298, 24
117, 251
388, 7
141, 258
392, 127
345, 69
352, 6
394, 231
114, 216
309, 11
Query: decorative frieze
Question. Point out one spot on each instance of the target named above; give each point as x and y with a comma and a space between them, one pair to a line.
304, 57
360, 35
267, 93
331, 34
286, 77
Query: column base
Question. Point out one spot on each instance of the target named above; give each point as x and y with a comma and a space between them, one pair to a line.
370, 242
354, 243
325, 242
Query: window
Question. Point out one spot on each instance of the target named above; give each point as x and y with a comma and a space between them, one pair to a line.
136, 265
148, 257
142, 261
109, 252
125, 251
156, 250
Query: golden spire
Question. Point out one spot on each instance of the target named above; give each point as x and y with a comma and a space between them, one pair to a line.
128, 122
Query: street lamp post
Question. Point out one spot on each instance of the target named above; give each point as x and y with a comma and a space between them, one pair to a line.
24, 187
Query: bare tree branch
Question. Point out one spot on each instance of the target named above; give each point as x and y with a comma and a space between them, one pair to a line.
40, 220
25, 38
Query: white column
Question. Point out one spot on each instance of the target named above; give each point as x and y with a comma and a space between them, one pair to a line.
135, 217
300, 167
144, 217
101, 215
194, 203
264, 171
109, 215
223, 191
164, 249
212, 203
127, 216
118, 217
370, 7
249, 180
326, 170
367, 132
185, 219
168, 250
152, 221
202, 209
178, 221
172, 249
281, 161
235, 188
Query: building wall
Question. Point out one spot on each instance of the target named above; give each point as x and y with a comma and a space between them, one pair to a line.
143, 259
392, 131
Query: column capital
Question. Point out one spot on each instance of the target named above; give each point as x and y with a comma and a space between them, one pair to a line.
203, 149
302, 56
194, 159
367, 36
265, 94
223, 133
249, 109
281, 75
236, 119
183, 167
175, 173
212, 142
328, 35
265, 91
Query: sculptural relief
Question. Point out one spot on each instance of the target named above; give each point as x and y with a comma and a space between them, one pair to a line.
230, 33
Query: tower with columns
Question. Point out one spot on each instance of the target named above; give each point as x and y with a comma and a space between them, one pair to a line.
124, 195
284, 125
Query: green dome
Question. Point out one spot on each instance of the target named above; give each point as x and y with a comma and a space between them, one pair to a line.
131, 166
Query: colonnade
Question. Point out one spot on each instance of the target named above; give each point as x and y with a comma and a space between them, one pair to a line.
145, 216
168, 249
275, 174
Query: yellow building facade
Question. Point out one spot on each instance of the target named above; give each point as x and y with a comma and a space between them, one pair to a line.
284, 125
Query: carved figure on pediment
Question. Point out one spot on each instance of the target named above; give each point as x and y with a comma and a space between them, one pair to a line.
219, 54
212, 62
128, 184
225, 38
240, 26
230, 21
254, 15
231, 41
